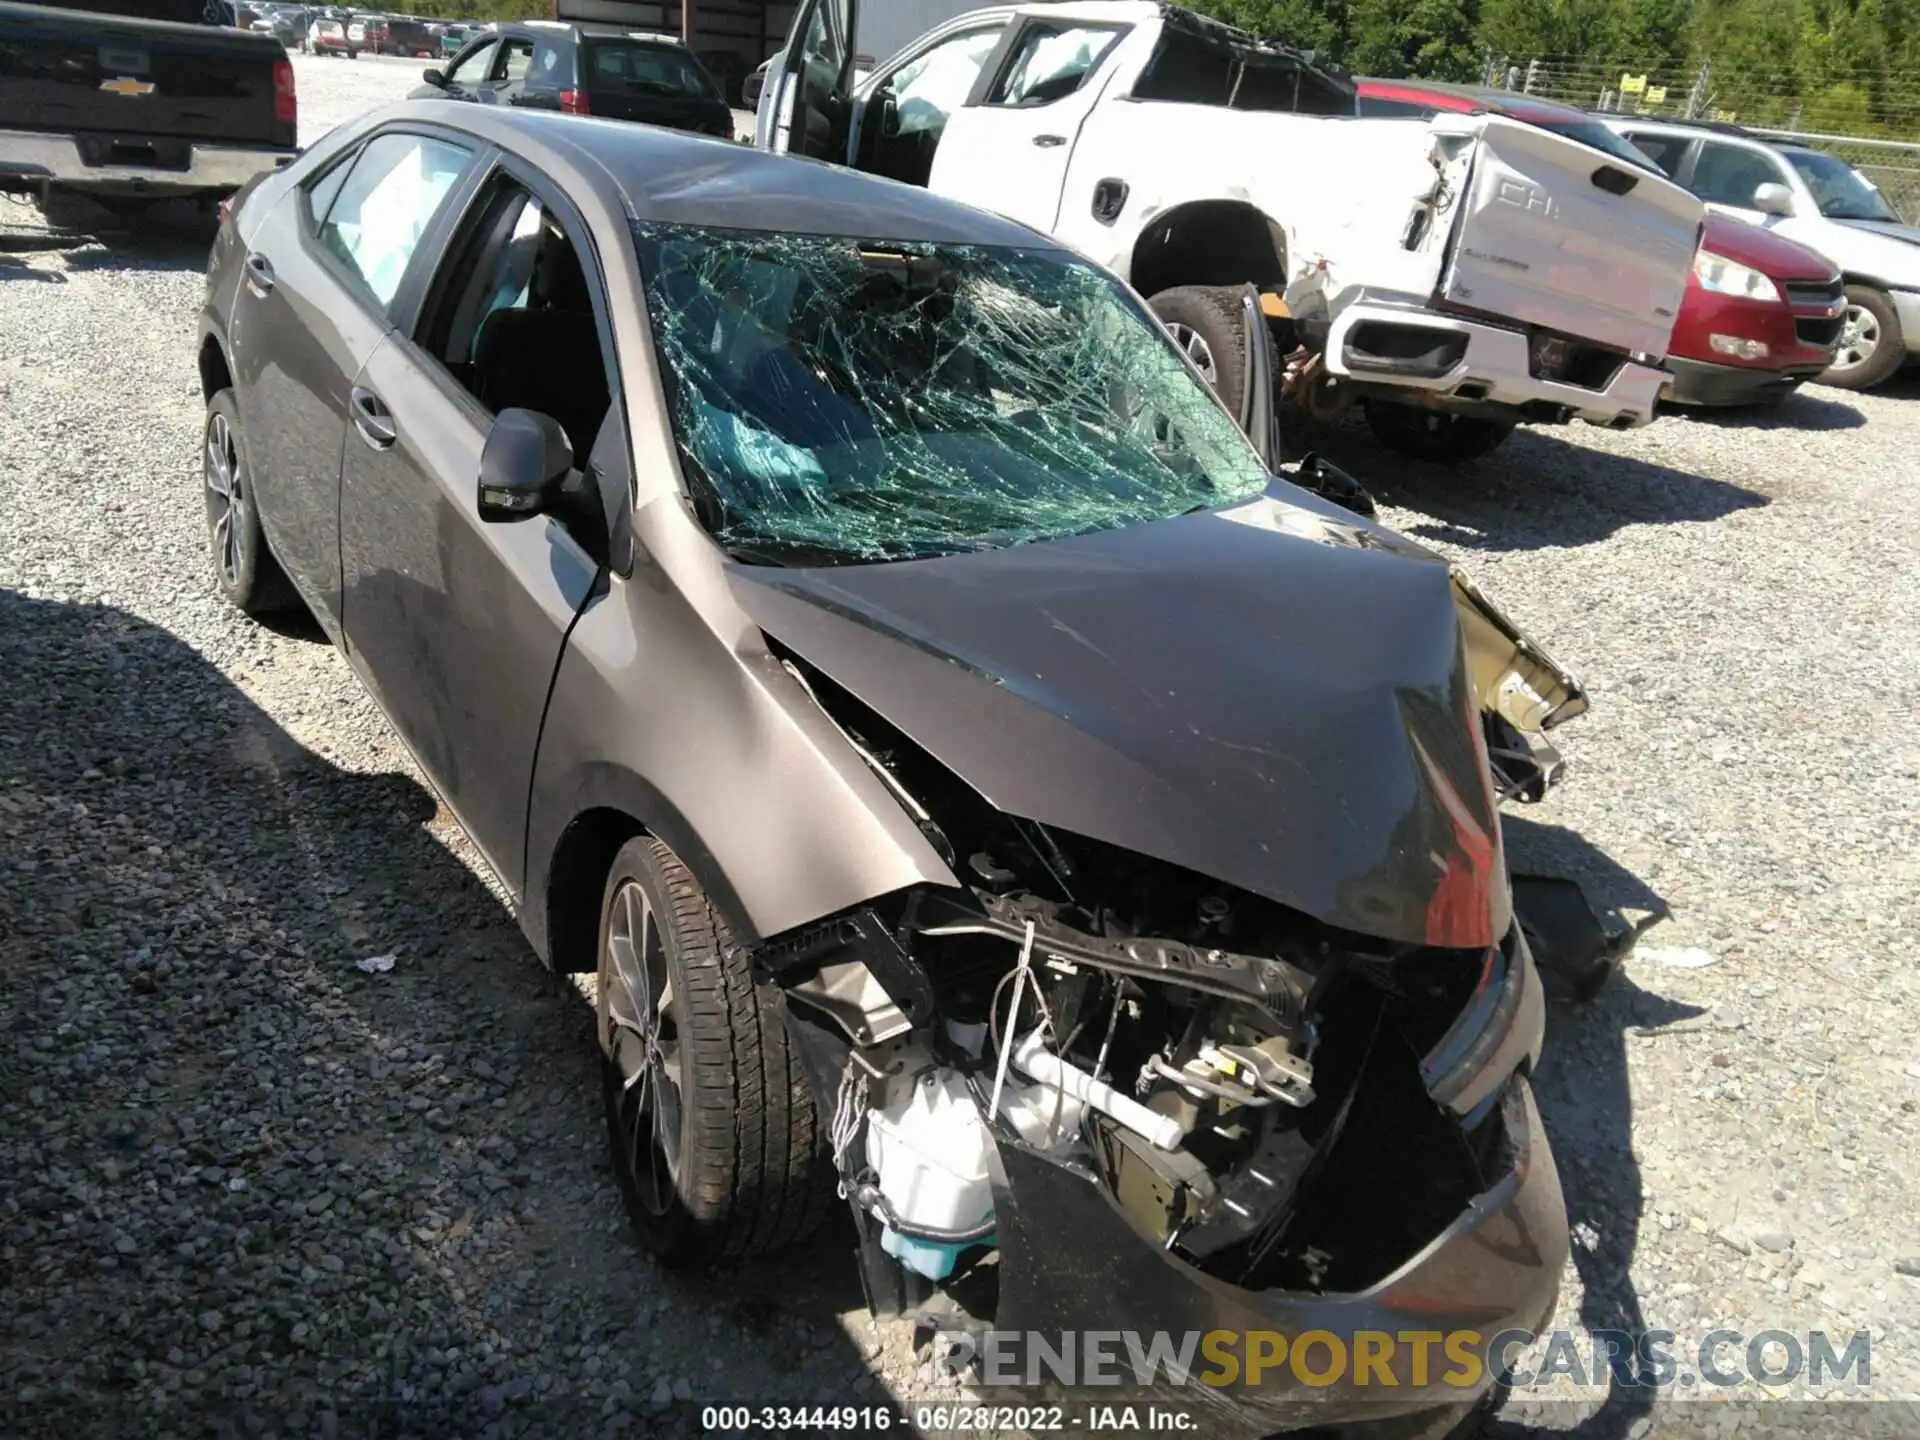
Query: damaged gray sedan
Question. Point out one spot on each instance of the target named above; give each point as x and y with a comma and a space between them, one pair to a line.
984, 791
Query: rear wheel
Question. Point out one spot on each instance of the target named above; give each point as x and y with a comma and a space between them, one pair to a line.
1206, 321
1434, 435
709, 1119
1871, 345
243, 566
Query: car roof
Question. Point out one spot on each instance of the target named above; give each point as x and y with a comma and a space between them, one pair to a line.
673, 177
594, 29
1506, 102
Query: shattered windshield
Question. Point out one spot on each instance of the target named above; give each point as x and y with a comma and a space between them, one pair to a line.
838, 400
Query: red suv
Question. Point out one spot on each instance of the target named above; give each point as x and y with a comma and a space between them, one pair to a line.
1762, 314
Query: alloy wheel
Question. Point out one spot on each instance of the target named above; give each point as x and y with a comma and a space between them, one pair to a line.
1198, 351
226, 500
640, 1036
1859, 338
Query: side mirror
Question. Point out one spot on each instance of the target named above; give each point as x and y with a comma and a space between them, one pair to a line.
435, 78
1330, 482
526, 458
1773, 198
750, 90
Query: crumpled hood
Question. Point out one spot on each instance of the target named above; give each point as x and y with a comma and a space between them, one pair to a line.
1271, 696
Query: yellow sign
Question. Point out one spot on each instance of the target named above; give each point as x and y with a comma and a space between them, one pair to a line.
127, 85
1633, 84
1656, 95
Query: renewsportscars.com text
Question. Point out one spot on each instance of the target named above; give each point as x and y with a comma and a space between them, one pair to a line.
1383, 1359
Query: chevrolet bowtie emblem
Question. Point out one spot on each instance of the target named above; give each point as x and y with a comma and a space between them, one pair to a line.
127, 85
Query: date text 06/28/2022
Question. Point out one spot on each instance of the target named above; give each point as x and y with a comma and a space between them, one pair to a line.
946, 1419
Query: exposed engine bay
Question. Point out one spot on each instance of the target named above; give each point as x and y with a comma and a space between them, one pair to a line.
1277, 1102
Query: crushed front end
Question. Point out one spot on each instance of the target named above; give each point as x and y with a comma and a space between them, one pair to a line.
1100, 1092
1226, 1019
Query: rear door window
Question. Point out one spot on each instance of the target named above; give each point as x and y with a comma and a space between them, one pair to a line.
650, 69
1728, 174
394, 190
548, 63
1050, 61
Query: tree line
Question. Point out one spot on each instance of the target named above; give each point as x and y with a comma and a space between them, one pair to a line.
1852, 65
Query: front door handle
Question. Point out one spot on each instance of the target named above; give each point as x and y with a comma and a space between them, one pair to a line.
373, 420
259, 273
1048, 142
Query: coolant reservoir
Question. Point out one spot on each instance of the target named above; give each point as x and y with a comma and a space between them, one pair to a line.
930, 1152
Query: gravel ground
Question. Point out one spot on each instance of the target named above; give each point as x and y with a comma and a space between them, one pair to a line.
242, 1182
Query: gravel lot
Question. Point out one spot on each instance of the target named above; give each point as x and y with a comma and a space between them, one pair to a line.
240, 1179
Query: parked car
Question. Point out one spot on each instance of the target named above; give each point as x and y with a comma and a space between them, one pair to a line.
1193, 159
705, 548
336, 37
1762, 317
585, 70
411, 38
125, 110
1820, 201
1761, 314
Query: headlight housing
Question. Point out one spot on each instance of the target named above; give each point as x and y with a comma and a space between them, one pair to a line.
1728, 277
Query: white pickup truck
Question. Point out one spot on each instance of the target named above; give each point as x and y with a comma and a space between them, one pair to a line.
1455, 278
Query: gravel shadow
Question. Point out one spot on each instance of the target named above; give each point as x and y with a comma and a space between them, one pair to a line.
246, 1187
1802, 410
1586, 1102
1535, 492
164, 235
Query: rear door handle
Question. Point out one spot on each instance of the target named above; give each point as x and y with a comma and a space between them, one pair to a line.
373, 420
1048, 142
259, 273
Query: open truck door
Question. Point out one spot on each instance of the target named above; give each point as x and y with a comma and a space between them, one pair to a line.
806, 105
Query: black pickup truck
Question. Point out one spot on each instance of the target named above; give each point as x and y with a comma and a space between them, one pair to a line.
128, 101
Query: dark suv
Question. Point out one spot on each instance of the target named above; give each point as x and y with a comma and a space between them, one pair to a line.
586, 70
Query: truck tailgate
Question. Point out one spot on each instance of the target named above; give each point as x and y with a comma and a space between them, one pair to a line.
1556, 234
73, 72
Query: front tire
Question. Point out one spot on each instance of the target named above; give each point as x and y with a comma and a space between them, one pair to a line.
710, 1123
243, 565
1871, 344
1208, 323
1434, 435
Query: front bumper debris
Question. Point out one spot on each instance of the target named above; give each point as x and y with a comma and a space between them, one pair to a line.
1495, 1268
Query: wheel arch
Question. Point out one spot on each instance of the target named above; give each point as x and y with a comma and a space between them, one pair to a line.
610, 806
1209, 242
216, 370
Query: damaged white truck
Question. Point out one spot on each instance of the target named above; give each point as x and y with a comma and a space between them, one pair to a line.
1454, 279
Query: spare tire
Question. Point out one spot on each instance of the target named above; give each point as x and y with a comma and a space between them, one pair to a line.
1206, 322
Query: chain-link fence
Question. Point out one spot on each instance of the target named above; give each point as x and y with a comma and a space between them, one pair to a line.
1870, 120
